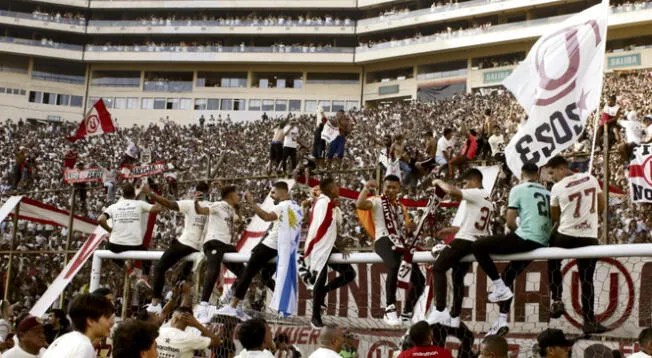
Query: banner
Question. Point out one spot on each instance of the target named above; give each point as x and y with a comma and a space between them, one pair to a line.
130, 172
73, 176
32, 210
558, 85
59, 284
640, 174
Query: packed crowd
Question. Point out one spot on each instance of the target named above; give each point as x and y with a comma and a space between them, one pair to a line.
33, 157
253, 19
66, 17
448, 33
210, 46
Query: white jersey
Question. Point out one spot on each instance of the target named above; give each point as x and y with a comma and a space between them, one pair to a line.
497, 144
473, 214
444, 145
193, 223
127, 216
271, 240
175, 343
71, 345
221, 223
577, 197
290, 140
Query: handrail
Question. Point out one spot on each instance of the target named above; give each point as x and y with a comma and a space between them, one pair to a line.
43, 17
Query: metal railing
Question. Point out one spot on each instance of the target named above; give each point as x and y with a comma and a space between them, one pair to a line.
43, 17
221, 23
228, 49
41, 43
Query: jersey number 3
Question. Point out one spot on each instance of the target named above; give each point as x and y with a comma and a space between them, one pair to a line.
484, 219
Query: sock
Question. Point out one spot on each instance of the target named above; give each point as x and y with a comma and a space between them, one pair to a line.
499, 284
203, 303
502, 318
390, 307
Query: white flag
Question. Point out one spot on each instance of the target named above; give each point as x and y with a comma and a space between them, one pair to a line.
558, 85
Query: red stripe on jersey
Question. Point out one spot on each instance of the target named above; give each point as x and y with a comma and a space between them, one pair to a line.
323, 228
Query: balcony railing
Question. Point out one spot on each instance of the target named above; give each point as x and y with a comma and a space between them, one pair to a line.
490, 29
220, 23
230, 49
41, 43
43, 17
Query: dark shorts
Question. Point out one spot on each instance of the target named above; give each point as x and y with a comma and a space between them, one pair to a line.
337, 147
276, 152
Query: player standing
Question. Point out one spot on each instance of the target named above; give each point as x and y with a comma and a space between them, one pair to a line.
321, 242
265, 251
189, 242
471, 222
576, 202
391, 227
220, 239
530, 202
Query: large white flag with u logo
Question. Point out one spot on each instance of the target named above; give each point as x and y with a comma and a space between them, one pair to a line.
558, 84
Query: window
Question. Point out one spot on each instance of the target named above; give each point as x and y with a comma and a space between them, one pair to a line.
213, 104
132, 103
49, 98
58, 71
227, 104
311, 106
281, 105
36, 97
442, 70
200, 104
325, 105
222, 79
390, 75
120, 103
168, 82
147, 103
172, 103
15, 64
338, 105
63, 100
295, 105
327, 78
278, 80
268, 105
351, 105
115, 79
76, 101
22, 92
159, 103
185, 103
254, 105
239, 104
92, 101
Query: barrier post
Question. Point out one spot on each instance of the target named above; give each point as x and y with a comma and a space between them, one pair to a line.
605, 189
11, 250
125, 296
96, 270
71, 220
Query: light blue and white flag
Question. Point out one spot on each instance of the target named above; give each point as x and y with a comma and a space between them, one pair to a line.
285, 299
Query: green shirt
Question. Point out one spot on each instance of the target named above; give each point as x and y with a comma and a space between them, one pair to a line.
532, 201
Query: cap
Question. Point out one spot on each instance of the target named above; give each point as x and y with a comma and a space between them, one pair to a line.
553, 338
28, 323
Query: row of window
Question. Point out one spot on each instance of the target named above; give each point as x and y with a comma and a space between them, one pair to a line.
182, 81
224, 104
58, 99
16, 91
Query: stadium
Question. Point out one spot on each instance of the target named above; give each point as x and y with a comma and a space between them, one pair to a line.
217, 111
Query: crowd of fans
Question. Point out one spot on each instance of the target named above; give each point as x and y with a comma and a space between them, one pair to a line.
448, 33
250, 20
67, 17
33, 156
211, 46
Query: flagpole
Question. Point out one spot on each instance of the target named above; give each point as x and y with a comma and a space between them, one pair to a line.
11, 250
596, 124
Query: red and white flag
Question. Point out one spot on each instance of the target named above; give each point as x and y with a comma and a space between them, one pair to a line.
558, 85
640, 174
98, 121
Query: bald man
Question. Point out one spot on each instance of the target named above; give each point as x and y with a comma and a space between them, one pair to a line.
494, 346
331, 339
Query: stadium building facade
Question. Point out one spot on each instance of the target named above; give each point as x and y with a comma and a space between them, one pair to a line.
185, 59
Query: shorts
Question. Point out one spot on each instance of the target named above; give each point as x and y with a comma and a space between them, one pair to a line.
276, 152
337, 147
441, 160
319, 149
